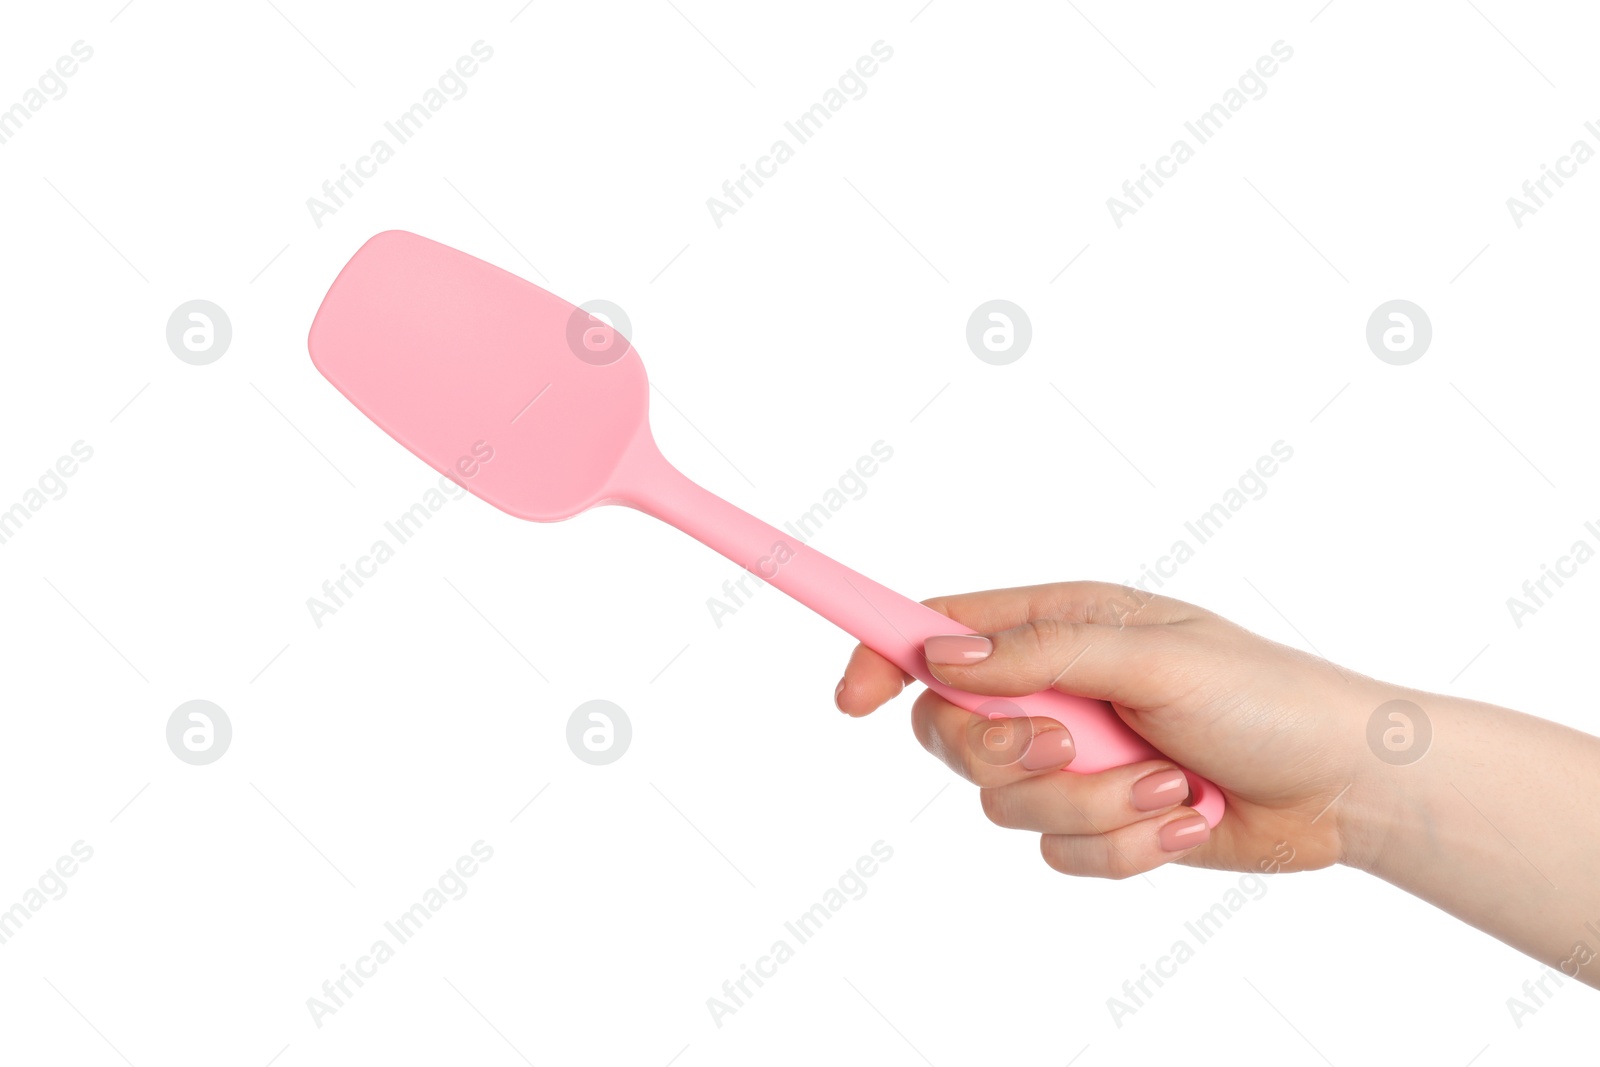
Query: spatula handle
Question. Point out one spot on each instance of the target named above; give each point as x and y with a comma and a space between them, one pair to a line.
892, 625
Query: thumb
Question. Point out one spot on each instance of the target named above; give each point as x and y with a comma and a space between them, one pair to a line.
1104, 662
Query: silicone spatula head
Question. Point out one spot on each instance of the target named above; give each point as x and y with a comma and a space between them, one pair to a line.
458, 360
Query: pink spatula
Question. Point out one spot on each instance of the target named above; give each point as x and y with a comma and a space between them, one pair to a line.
454, 357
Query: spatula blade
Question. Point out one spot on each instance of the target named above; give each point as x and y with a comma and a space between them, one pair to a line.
509, 390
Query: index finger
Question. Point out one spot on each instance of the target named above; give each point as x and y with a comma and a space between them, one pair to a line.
1096, 603
871, 681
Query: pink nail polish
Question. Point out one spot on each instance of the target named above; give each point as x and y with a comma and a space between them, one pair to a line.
1160, 790
837, 693
959, 649
1185, 833
1053, 748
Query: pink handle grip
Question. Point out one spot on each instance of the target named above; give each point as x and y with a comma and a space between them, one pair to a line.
892, 625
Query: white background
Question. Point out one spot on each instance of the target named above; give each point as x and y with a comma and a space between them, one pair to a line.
827, 314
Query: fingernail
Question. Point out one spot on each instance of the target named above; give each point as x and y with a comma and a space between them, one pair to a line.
957, 648
1162, 789
1185, 833
1053, 748
837, 693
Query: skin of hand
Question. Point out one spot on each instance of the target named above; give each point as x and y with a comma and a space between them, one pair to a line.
1287, 736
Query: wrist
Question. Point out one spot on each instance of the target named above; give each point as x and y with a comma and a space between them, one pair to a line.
1385, 814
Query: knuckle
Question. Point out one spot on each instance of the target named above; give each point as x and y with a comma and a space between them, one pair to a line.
1043, 639
1114, 865
1132, 607
997, 806
1086, 856
1057, 854
927, 722
1045, 632
980, 773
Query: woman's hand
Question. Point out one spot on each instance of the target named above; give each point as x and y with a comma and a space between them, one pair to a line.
1281, 732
